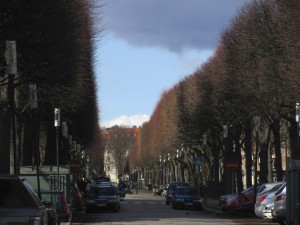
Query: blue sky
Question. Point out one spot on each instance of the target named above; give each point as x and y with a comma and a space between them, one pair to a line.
147, 46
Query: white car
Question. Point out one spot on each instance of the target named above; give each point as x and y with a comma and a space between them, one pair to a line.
265, 202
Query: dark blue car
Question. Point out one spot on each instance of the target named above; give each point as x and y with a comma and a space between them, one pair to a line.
186, 197
103, 197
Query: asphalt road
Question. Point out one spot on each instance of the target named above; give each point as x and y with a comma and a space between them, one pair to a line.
146, 209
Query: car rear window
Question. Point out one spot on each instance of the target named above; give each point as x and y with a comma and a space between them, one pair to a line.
102, 191
51, 197
188, 191
14, 195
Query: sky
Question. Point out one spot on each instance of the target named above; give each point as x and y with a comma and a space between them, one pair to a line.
147, 46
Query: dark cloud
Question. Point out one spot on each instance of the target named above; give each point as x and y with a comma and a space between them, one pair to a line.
172, 24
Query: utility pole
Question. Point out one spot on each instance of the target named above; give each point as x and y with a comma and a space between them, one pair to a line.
11, 70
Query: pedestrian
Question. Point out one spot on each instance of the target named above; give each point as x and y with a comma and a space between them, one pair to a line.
122, 188
150, 188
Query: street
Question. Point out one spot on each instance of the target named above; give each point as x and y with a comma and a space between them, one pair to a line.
145, 208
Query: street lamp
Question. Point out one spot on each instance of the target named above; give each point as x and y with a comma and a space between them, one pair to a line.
57, 125
11, 70
257, 126
34, 106
297, 130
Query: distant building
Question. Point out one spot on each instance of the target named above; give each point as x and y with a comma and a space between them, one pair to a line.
118, 143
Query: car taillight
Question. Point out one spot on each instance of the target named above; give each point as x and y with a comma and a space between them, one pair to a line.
280, 197
52, 208
262, 198
36, 220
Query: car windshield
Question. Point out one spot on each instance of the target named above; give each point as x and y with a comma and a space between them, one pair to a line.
102, 191
51, 197
186, 191
13, 195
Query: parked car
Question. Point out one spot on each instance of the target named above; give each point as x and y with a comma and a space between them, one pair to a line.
18, 202
60, 202
170, 190
279, 209
160, 190
265, 202
186, 197
102, 196
245, 200
51, 212
77, 198
227, 202
266, 187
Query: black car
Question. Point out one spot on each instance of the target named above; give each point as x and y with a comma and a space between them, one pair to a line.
102, 196
170, 190
186, 197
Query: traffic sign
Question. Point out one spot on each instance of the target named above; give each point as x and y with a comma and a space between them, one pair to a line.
198, 161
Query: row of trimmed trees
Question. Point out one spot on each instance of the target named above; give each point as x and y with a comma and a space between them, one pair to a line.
54, 42
253, 72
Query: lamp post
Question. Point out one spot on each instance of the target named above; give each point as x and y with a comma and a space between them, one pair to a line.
64, 127
11, 70
137, 181
164, 171
34, 106
229, 174
297, 129
57, 125
160, 166
83, 164
87, 166
257, 126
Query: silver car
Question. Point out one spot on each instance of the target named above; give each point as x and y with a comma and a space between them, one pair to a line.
279, 211
266, 187
19, 204
265, 203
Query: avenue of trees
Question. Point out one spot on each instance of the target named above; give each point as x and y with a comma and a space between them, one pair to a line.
55, 42
253, 72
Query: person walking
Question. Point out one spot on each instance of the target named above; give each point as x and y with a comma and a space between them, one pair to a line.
150, 188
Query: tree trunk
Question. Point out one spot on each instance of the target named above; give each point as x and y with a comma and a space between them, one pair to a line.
248, 153
278, 156
50, 155
5, 142
263, 155
293, 139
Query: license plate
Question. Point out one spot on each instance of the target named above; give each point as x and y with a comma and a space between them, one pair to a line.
101, 204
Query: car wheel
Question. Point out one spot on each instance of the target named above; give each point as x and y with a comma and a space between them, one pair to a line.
282, 222
87, 210
167, 201
117, 209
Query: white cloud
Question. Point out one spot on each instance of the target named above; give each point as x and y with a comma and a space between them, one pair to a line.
128, 121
